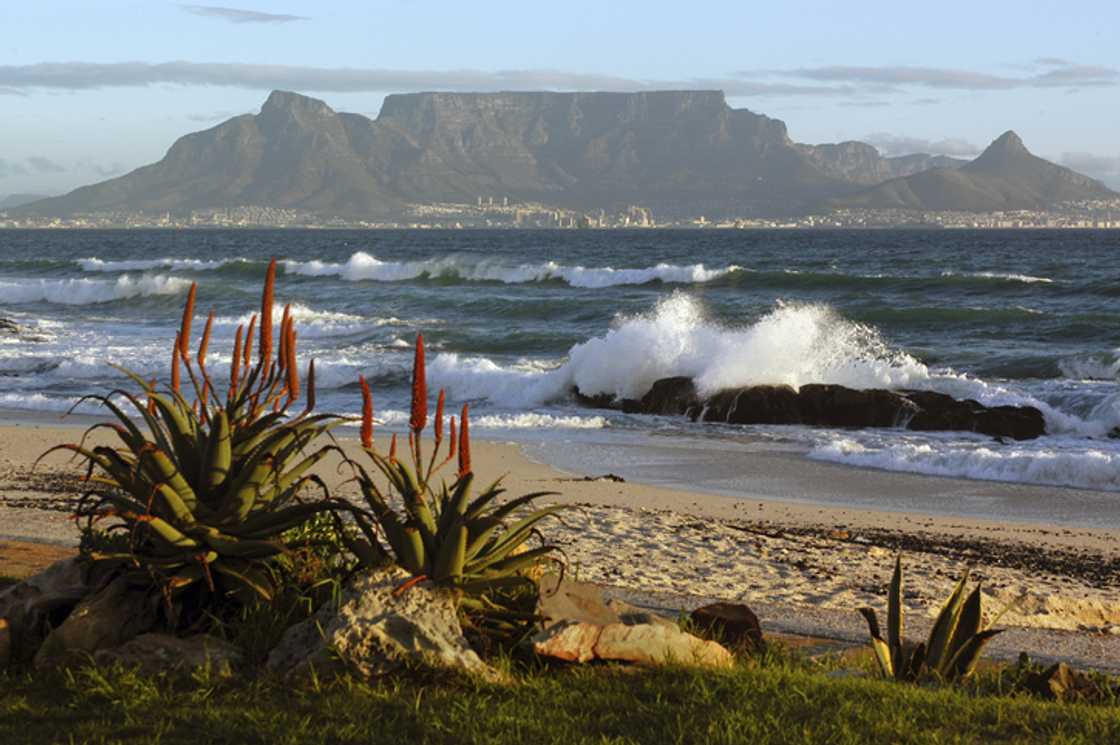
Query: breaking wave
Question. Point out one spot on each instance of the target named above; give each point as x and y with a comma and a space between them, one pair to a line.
89, 291
363, 266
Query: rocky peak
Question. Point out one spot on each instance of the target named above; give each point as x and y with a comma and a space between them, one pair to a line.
285, 106
1005, 149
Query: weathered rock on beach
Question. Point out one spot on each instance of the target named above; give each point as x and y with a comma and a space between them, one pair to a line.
830, 406
376, 630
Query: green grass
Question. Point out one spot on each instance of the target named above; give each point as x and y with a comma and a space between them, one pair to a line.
778, 701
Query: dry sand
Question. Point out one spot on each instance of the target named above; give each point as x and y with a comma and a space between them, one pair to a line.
803, 567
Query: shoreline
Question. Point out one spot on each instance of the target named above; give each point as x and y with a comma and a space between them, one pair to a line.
804, 567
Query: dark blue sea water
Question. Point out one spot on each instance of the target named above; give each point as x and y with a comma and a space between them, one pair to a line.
514, 319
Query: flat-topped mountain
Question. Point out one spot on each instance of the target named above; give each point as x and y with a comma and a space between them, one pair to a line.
682, 153
1006, 176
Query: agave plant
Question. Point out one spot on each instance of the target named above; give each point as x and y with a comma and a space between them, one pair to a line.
197, 493
441, 532
954, 644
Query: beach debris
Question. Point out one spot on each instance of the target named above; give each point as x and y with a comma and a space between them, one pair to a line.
157, 653
734, 624
829, 406
107, 618
377, 630
954, 643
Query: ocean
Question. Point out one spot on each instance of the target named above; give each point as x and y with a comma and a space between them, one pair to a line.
514, 319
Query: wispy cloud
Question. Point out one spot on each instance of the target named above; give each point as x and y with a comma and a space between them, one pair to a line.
238, 15
10, 168
1103, 167
1064, 74
91, 75
890, 145
40, 164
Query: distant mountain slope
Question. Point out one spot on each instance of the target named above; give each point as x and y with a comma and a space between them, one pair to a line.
679, 152
1006, 176
18, 200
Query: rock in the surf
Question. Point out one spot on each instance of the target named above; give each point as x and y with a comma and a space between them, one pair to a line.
833, 406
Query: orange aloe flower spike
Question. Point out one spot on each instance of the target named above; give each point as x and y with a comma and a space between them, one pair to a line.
264, 353
204, 345
235, 362
185, 326
367, 413
452, 440
310, 386
175, 353
439, 417
419, 416
248, 350
293, 371
393, 449
464, 442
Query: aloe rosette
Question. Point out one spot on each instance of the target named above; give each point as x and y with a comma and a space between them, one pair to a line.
198, 493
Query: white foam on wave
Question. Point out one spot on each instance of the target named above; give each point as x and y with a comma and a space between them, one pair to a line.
1006, 276
89, 291
308, 319
94, 264
1049, 461
1095, 367
363, 266
522, 420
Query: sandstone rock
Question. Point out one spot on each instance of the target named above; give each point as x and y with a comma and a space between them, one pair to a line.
568, 601
632, 615
733, 623
374, 632
656, 644
107, 618
647, 644
156, 653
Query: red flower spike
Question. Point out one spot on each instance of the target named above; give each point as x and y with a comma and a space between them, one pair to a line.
452, 441
235, 362
311, 385
419, 416
248, 350
185, 326
293, 371
175, 352
264, 354
205, 343
464, 442
439, 417
367, 413
393, 449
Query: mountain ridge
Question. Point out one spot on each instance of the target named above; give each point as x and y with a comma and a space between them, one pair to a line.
679, 152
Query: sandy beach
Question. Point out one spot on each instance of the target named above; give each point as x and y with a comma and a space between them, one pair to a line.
803, 565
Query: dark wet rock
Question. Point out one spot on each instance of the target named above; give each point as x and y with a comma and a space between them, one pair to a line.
732, 623
108, 618
598, 401
8, 326
1115, 433
832, 406
671, 396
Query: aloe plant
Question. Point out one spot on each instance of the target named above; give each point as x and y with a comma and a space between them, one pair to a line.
441, 532
954, 644
199, 492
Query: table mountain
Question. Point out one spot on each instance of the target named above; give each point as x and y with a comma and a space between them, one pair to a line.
683, 153
1006, 176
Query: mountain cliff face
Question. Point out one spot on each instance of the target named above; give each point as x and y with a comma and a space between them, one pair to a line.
679, 152
1006, 176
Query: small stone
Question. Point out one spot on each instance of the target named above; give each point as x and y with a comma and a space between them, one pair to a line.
155, 653
734, 623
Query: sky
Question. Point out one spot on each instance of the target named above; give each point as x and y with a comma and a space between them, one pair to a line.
90, 89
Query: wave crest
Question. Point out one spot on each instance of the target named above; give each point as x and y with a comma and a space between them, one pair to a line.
89, 291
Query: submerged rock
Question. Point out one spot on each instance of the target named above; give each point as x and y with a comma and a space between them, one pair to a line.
376, 630
834, 406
